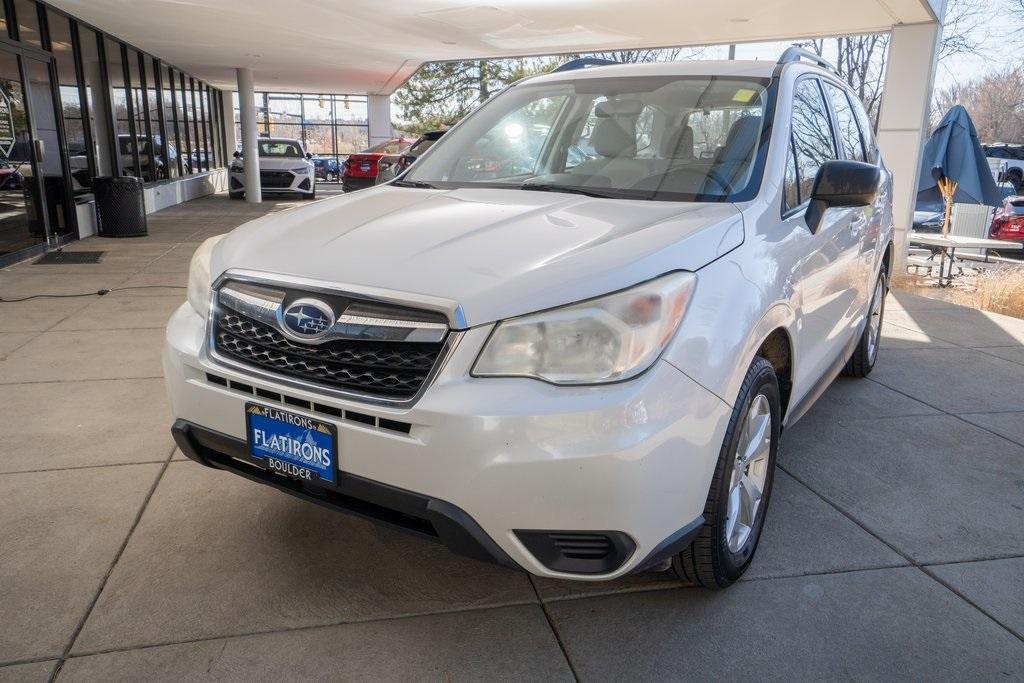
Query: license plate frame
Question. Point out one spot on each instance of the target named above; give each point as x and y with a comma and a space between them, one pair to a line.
293, 445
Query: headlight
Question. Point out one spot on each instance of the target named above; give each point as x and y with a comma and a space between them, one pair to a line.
610, 338
199, 277
300, 171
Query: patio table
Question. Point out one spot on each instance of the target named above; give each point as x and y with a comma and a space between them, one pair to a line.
948, 244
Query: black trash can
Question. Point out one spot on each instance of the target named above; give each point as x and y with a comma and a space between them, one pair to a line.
120, 206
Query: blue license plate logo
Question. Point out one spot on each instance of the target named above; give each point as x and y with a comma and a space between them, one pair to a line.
290, 444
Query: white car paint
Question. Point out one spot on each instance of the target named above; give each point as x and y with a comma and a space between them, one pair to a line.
301, 169
518, 453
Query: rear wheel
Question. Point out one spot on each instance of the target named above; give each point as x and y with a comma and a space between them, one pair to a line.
866, 353
740, 488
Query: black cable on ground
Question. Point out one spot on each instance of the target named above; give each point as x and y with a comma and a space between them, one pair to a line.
99, 292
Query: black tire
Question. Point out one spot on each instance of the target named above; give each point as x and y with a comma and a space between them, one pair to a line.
311, 195
864, 356
236, 195
709, 562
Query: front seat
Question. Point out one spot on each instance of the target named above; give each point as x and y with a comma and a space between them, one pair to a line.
732, 162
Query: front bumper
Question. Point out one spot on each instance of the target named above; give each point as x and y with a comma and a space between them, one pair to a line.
302, 183
503, 457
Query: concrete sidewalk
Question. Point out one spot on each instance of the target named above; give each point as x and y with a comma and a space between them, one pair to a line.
894, 547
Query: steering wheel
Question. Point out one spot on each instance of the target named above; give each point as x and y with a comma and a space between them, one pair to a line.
701, 176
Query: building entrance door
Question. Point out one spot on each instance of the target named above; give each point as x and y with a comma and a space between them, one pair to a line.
29, 154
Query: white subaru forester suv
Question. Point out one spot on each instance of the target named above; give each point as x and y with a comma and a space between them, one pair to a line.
568, 338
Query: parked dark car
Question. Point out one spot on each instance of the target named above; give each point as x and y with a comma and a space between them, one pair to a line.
422, 144
327, 169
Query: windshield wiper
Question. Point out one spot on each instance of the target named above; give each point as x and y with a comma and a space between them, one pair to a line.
414, 183
569, 189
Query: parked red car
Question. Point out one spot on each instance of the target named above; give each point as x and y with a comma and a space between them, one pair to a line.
1008, 223
374, 165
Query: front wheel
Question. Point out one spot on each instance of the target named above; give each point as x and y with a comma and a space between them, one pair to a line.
866, 353
740, 488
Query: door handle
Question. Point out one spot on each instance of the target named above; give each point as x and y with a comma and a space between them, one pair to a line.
40, 150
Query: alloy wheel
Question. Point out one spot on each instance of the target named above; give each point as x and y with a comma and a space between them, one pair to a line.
749, 474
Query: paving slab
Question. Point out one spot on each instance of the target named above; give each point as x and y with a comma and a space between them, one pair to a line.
53, 425
994, 585
60, 534
802, 535
85, 354
27, 673
953, 380
963, 326
37, 315
1013, 353
1008, 425
9, 341
873, 625
217, 555
935, 487
123, 310
852, 398
905, 301
896, 337
157, 284
510, 643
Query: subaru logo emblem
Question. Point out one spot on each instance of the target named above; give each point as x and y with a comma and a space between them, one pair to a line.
307, 318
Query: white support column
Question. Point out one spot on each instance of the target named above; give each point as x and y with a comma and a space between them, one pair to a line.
903, 120
250, 137
228, 122
379, 115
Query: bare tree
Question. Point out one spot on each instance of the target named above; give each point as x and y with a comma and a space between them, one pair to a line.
861, 59
994, 101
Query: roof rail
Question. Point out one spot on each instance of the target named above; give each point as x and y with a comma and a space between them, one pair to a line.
583, 63
795, 53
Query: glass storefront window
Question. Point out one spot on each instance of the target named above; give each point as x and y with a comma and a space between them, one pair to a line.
184, 122
95, 101
142, 145
71, 102
171, 124
28, 22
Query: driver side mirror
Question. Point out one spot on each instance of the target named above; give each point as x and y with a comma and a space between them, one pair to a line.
841, 184
237, 155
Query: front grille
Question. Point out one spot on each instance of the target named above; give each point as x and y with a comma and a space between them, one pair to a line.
384, 369
276, 178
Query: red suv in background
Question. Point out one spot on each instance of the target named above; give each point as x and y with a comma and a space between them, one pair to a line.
374, 165
1008, 223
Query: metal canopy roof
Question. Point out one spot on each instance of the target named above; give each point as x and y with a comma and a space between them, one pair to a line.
372, 46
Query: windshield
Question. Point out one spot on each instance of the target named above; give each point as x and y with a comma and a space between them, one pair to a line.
693, 138
279, 148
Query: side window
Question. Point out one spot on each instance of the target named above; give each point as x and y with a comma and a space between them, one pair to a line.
812, 134
644, 130
866, 131
791, 188
848, 134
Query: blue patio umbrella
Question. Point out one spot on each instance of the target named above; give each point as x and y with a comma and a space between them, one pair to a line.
953, 151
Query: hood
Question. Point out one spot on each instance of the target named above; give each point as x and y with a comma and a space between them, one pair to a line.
496, 253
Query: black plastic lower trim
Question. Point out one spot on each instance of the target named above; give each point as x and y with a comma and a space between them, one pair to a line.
349, 184
673, 545
421, 515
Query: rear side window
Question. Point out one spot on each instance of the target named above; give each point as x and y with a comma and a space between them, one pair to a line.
812, 134
848, 133
867, 131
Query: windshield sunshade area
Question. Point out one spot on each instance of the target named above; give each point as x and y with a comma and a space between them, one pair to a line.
674, 138
278, 148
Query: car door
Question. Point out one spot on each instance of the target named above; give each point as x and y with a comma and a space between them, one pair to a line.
827, 287
854, 144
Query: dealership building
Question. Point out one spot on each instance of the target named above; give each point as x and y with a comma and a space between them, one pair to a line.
167, 91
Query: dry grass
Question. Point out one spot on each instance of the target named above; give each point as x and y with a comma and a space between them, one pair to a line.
998, 289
